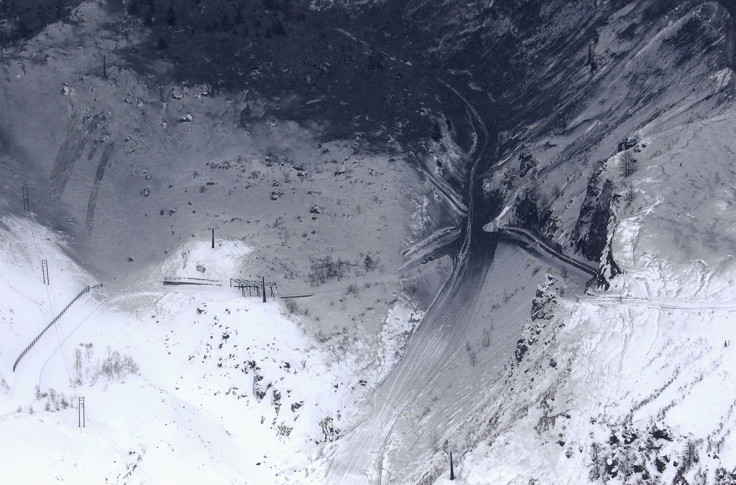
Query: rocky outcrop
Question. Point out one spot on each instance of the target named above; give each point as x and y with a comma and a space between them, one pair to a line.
590, 234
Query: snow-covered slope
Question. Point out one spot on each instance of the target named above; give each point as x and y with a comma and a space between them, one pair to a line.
181, 384
634, 384
104, 155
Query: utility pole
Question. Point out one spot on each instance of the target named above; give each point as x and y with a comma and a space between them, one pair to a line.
26, 199
45, 271
452, 468
448, 449
212, 234
82, 413
104, 65
262, 287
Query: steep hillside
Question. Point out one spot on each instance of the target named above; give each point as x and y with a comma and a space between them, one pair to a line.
630, 169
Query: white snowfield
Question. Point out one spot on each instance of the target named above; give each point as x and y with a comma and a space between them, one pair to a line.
171, 376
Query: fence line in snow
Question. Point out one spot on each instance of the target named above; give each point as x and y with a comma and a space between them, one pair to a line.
188, 280
56, 318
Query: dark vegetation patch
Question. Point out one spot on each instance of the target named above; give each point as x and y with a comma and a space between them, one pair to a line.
532, 213
21, 19
282, 50
643, 455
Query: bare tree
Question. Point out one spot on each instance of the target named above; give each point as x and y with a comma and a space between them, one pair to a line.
628, 164
629, 195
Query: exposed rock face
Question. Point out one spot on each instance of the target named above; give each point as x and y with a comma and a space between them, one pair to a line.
562, 119
590, 234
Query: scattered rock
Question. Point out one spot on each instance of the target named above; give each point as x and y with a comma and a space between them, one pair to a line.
611, 467
545, 300
725, 477
661, 434
628, 143
187, 118
526, 163
328, 429
521, 349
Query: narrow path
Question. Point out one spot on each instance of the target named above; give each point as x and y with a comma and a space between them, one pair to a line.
659, 304
532, 243
430, 248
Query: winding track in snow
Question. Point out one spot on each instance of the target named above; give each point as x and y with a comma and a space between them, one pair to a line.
660, 304
532, 243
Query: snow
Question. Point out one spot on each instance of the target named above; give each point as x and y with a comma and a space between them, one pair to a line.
190, 412
617, 374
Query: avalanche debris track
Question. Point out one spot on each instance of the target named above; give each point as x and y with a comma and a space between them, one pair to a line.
442, 332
